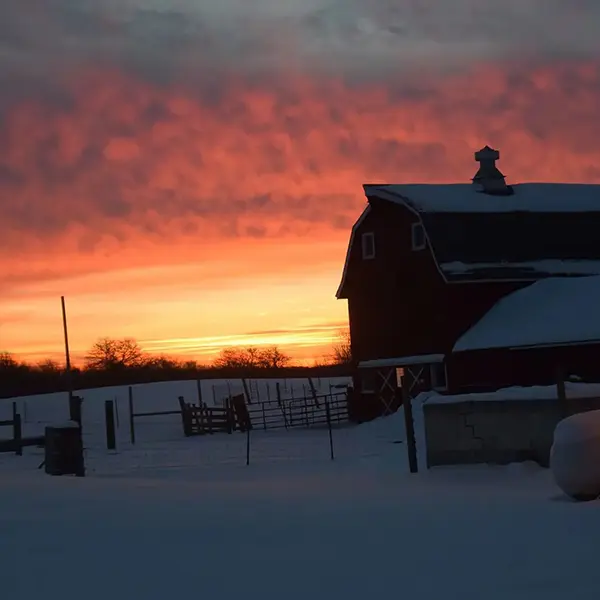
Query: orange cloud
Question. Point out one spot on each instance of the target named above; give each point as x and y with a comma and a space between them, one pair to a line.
149, 203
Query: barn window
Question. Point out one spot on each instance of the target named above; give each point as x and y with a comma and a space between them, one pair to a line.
438, 377
368, 245
418, 237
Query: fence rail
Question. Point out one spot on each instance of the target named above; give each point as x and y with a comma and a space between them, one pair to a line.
237, 414
17, 442
300, 412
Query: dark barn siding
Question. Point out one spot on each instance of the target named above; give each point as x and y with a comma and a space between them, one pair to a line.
514, 236
399, 304
497, 368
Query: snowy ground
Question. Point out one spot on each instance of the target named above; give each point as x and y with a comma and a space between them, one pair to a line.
186, 518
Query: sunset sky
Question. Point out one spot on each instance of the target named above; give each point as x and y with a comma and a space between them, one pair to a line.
186, 172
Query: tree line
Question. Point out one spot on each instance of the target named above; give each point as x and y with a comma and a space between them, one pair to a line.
112, 362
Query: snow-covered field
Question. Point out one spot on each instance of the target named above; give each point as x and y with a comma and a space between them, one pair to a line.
48, 409
183, 517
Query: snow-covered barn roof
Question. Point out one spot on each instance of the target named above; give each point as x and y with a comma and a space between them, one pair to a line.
541, 230
549, 312
466, 198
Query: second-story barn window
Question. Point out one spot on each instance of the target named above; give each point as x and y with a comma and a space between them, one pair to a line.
368, 245
419, 241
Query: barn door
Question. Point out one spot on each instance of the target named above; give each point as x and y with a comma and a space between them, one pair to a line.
415, 379
387, 390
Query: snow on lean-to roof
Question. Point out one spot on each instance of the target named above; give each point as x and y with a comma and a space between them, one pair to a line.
550, 266
557, 310
516, 393
464, 197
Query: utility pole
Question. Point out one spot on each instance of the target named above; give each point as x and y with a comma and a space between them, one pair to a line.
68, 372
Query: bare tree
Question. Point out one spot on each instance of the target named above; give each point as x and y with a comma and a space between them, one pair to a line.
341, 351
162, 362
273, 358
7, 361
49, 366
109, 354
252, 358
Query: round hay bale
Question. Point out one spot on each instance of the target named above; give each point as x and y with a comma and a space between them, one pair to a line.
575, 456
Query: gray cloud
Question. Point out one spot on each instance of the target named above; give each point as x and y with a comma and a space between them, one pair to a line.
203, 46
162, 40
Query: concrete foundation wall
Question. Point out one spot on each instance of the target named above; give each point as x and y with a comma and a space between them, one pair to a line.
494, 431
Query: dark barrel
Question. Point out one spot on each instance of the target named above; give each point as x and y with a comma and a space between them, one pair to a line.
64, 450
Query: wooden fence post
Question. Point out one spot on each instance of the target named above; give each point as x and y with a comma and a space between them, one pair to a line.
306, 410
409, 425
264, 416
131, 416
18, 434
280, 403
313, 391
75, 409
109, 415
563, 404
247, 391
328, 414
230, 416
247, 446
199, 388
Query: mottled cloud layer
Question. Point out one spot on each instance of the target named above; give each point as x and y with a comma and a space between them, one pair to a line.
128, 127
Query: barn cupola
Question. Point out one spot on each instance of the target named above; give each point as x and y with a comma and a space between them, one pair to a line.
489, 179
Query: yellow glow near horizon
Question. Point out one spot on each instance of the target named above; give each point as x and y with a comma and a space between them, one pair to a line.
178, 311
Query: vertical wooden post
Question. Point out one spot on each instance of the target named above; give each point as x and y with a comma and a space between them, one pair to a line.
264, 416
17, 431
306, 410
230, 416
199, 388
278, 391
268, 392
75, 409
563, 405
247, 446
214, 395
117, 412
258, 397
411, 444
313, 391
280, 403
247, 391
109, 417
328, 414
131, 415
68, 371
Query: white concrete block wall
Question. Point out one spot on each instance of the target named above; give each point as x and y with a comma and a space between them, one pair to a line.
494, 431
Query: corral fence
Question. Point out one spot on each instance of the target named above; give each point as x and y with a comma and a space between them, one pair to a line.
236, 414
304, 412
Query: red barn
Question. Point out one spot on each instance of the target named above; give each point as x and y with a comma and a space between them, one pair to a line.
429, 269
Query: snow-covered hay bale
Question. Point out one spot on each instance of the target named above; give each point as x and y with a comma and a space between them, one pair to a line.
575, 455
